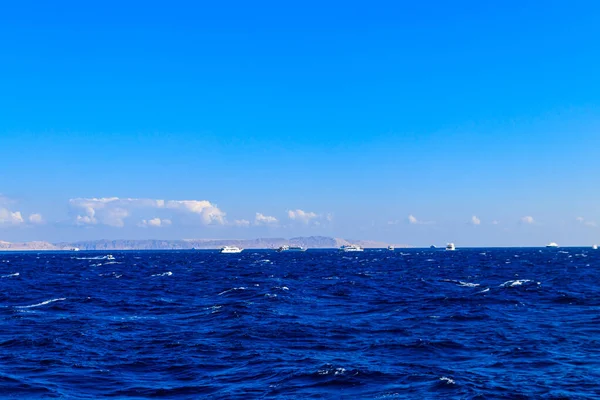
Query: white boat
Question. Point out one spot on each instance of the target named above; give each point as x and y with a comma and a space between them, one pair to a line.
350, 247
450, 247
552, 245
595, 247
230, 250
391, 248
290, 248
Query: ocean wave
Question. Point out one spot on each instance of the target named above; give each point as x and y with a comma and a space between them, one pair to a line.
232, 289
447, 380
106, 257
10, 275
516, 282
168, 273
43, 303
461, 283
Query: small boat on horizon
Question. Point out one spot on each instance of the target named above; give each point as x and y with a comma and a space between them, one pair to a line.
391, 248
350, 248
552, 245
230, 250
450, 247
595, 247
286, 248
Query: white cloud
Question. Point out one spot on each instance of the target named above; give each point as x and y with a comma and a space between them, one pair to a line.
261, 219
585, 222
36, 219
302, 216
208, 212
154, 223
8, 217
495, 222
241, 222
527, 220
475, 220
414, 221
113, 211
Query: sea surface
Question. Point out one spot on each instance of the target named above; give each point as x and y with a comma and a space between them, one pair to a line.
470, 324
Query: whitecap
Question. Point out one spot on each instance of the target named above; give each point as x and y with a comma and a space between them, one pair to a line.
270, 295
334, 371
10, 275
447, 380
117, 276
43, 303
516, 282
282, 287
232, 289
485, 290
461, 283
168, 273
467, 284
106, 257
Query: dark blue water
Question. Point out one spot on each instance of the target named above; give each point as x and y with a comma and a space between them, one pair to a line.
479, 323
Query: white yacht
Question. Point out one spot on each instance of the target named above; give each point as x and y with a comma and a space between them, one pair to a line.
391, 248
290, 248
450, 247
350, 247
230, 250
552, 245
595, 247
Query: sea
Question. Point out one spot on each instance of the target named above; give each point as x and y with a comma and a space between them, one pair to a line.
485, 323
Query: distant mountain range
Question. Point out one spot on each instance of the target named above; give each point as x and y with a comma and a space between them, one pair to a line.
321, 242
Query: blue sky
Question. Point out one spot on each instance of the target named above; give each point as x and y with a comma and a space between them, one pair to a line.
389, 121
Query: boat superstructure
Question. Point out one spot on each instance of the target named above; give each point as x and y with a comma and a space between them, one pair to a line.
552, 245
350, 248
230, 250
595, 247
450, 247
286, 248
391, 248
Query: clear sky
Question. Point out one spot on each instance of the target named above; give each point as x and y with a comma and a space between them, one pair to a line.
407, 122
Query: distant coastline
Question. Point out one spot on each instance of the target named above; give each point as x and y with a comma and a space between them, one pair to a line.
316, 242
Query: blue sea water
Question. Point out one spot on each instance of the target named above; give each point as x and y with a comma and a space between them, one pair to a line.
469, 324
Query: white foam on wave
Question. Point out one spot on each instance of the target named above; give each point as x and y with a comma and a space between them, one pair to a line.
334, 371
282, 287
232, 289
516, 282
484, 290
168, 273
117, 276
43, 303
10, 275
461, 283
106, 257
447, 380
467, 284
